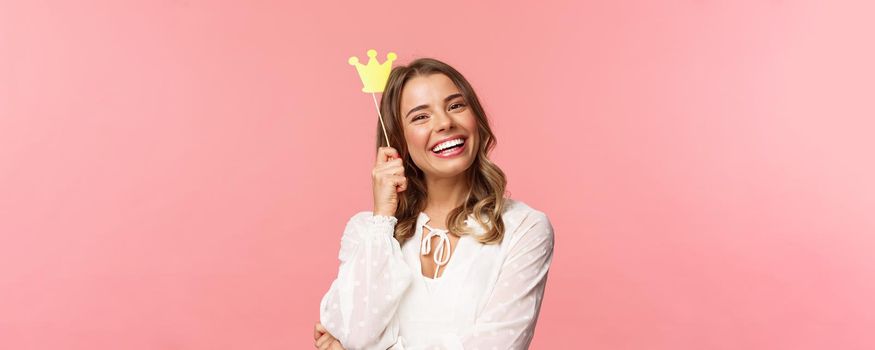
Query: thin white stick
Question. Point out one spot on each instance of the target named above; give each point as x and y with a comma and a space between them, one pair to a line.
381, 119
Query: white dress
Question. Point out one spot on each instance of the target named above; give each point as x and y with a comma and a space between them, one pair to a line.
488, 296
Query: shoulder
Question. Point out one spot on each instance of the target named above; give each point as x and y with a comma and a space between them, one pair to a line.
523, 222
517, 212
360, 216
357, 223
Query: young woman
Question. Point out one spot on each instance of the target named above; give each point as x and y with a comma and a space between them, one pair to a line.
444, 260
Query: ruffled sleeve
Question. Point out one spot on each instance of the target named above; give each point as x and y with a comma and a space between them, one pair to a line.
359, 307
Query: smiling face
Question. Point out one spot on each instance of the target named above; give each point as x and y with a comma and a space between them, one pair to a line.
435, 116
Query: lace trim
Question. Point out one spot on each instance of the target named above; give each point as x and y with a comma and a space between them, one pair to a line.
384, 220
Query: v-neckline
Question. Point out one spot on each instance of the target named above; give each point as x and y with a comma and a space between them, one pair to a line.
422, 220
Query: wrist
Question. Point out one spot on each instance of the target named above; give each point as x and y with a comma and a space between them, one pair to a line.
383, 213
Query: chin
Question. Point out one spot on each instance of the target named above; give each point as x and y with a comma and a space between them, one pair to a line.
453, 170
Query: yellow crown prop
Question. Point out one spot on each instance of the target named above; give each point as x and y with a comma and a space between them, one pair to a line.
374, 75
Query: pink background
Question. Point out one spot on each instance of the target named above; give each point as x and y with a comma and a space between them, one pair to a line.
176, 174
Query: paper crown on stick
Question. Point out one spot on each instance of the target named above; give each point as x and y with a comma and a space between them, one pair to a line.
374, 75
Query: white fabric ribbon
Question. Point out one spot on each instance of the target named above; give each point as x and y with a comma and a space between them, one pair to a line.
441, 252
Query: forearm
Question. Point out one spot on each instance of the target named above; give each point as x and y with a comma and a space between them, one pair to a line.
361, 303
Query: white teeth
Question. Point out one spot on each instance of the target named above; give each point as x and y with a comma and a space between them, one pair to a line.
444, 145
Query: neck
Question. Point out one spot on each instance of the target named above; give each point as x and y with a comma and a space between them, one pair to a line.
445, 194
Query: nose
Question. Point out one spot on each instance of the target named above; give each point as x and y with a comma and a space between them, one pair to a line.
443, 121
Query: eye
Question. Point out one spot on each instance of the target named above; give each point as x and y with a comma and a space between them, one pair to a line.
452, 106
417, 117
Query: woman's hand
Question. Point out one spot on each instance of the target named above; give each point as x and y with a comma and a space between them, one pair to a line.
324, 340
388, 175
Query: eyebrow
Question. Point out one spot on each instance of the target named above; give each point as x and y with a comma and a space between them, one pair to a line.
446, 99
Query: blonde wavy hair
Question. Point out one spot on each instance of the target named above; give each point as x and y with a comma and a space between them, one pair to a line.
485, 199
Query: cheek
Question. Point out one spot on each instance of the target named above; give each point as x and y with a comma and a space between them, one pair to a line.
468, 121
470, 124
417, 140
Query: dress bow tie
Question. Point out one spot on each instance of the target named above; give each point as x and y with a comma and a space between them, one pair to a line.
441, 252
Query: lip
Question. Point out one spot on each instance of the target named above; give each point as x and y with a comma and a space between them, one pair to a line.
456, 151
447, 139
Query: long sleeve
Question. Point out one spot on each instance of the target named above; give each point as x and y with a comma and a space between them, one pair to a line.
507, 320
359, 307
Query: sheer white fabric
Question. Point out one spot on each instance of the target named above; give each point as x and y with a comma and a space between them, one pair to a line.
488, 296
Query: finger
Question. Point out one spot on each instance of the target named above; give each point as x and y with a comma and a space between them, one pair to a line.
395, 170
324, 340
320, 327
328, 344
335, 345
388, 171
395, 163
392, 162
385, 154
318, 330
400, 183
